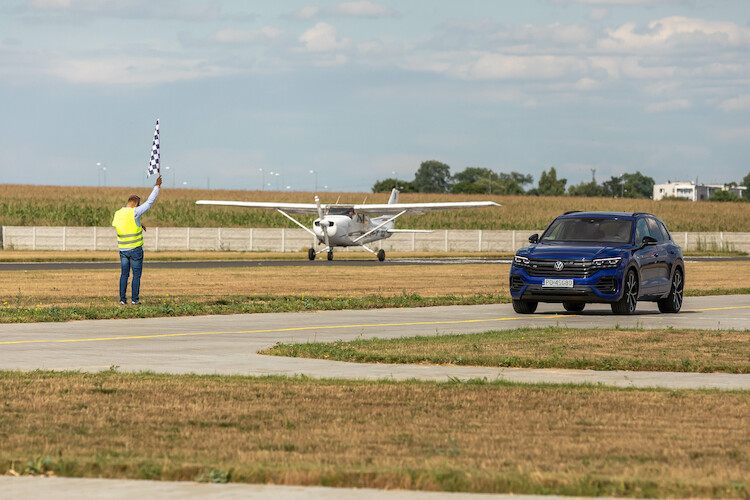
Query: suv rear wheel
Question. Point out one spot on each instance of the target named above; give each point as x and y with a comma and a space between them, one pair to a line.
672, 303
574, 306
524, 306
626, 305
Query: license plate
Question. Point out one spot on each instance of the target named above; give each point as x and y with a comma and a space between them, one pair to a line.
557, 283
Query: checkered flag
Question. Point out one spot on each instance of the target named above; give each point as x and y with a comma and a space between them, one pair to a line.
153, 166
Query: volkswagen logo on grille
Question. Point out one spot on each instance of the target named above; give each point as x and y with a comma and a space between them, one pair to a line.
559, 266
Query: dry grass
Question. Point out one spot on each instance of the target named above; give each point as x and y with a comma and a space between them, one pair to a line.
458, 437
87, 287
84, 206
112, 256
99, 287
84, 287
589, 349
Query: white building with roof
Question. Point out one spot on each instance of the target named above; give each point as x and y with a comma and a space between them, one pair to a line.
692, 191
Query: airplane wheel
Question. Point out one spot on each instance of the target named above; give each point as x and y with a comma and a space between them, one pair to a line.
330, 255
381, 255
311, 254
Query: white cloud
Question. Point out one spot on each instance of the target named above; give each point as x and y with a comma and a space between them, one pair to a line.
230, 35
673, 105
598, 14
739, 103
503, 66
132, 71
361, 8
741, 134
55, 10
674, 32
586, 84
307, 12
323, 38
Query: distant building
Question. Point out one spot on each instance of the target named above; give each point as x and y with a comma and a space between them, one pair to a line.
692, 191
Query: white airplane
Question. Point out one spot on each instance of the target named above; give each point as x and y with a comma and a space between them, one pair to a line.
352, 225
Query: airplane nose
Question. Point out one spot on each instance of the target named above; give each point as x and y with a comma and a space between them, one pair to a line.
324, 225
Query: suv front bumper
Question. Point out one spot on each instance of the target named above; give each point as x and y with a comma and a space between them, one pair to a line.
602, 286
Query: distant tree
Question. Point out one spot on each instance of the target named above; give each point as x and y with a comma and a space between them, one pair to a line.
466, 187
638, 185
586, 189
746, 180
387, 184
433, 177
724, 196
512, 183
550, 185
613, 187
484, 180
473, 174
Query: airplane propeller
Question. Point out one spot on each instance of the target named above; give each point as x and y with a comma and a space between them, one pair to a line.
323, 226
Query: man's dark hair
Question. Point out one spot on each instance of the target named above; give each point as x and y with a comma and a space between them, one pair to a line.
136, 199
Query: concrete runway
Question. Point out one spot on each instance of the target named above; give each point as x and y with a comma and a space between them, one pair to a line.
61, 488
228, 344
338, 261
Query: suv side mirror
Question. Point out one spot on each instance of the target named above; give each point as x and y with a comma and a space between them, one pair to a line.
648, 240
534, 238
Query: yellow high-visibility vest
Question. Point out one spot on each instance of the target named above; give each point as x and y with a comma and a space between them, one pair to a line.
129, 235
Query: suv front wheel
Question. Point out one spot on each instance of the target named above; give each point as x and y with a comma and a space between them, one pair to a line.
626, 305
524, 306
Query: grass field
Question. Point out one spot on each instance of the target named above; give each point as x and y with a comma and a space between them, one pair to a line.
90, 206
112, 256
93, 294
601, 349
473, 436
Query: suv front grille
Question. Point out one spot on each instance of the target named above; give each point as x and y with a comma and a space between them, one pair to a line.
545, 268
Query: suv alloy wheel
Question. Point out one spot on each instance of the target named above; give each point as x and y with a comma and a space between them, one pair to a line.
626, 305
672, 303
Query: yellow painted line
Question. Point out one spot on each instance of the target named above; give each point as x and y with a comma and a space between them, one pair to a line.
717, 308
326, 327
277, 330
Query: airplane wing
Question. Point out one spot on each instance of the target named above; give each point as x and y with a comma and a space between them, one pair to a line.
368, 209
419, 208
292, 208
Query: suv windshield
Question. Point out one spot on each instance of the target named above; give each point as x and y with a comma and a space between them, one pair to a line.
589, 229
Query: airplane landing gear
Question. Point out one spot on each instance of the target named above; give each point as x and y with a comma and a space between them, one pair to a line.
311, 253
330, 255
381, 255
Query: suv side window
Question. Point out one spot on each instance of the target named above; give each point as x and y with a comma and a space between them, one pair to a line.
663, 228
655, 230
641, 230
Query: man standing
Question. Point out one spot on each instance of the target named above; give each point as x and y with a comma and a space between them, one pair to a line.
127, 221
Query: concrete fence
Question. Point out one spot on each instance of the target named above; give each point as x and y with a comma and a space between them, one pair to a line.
295, 240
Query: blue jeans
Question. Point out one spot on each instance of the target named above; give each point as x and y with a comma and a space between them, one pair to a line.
131, 259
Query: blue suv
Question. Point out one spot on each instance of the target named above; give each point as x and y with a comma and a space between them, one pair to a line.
606, 257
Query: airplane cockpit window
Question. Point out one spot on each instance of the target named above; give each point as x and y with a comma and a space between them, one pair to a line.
361, 218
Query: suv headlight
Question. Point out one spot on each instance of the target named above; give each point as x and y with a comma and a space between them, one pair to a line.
521, 261
607, 263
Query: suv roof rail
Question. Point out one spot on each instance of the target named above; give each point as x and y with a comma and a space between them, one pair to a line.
571, 212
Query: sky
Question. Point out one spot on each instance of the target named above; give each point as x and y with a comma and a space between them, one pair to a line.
363, 90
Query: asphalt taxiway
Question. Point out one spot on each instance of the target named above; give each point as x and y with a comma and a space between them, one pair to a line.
229, 344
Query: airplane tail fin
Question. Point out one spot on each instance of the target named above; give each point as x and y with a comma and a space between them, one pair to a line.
394, 197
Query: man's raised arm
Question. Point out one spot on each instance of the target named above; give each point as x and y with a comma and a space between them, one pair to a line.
140, 210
